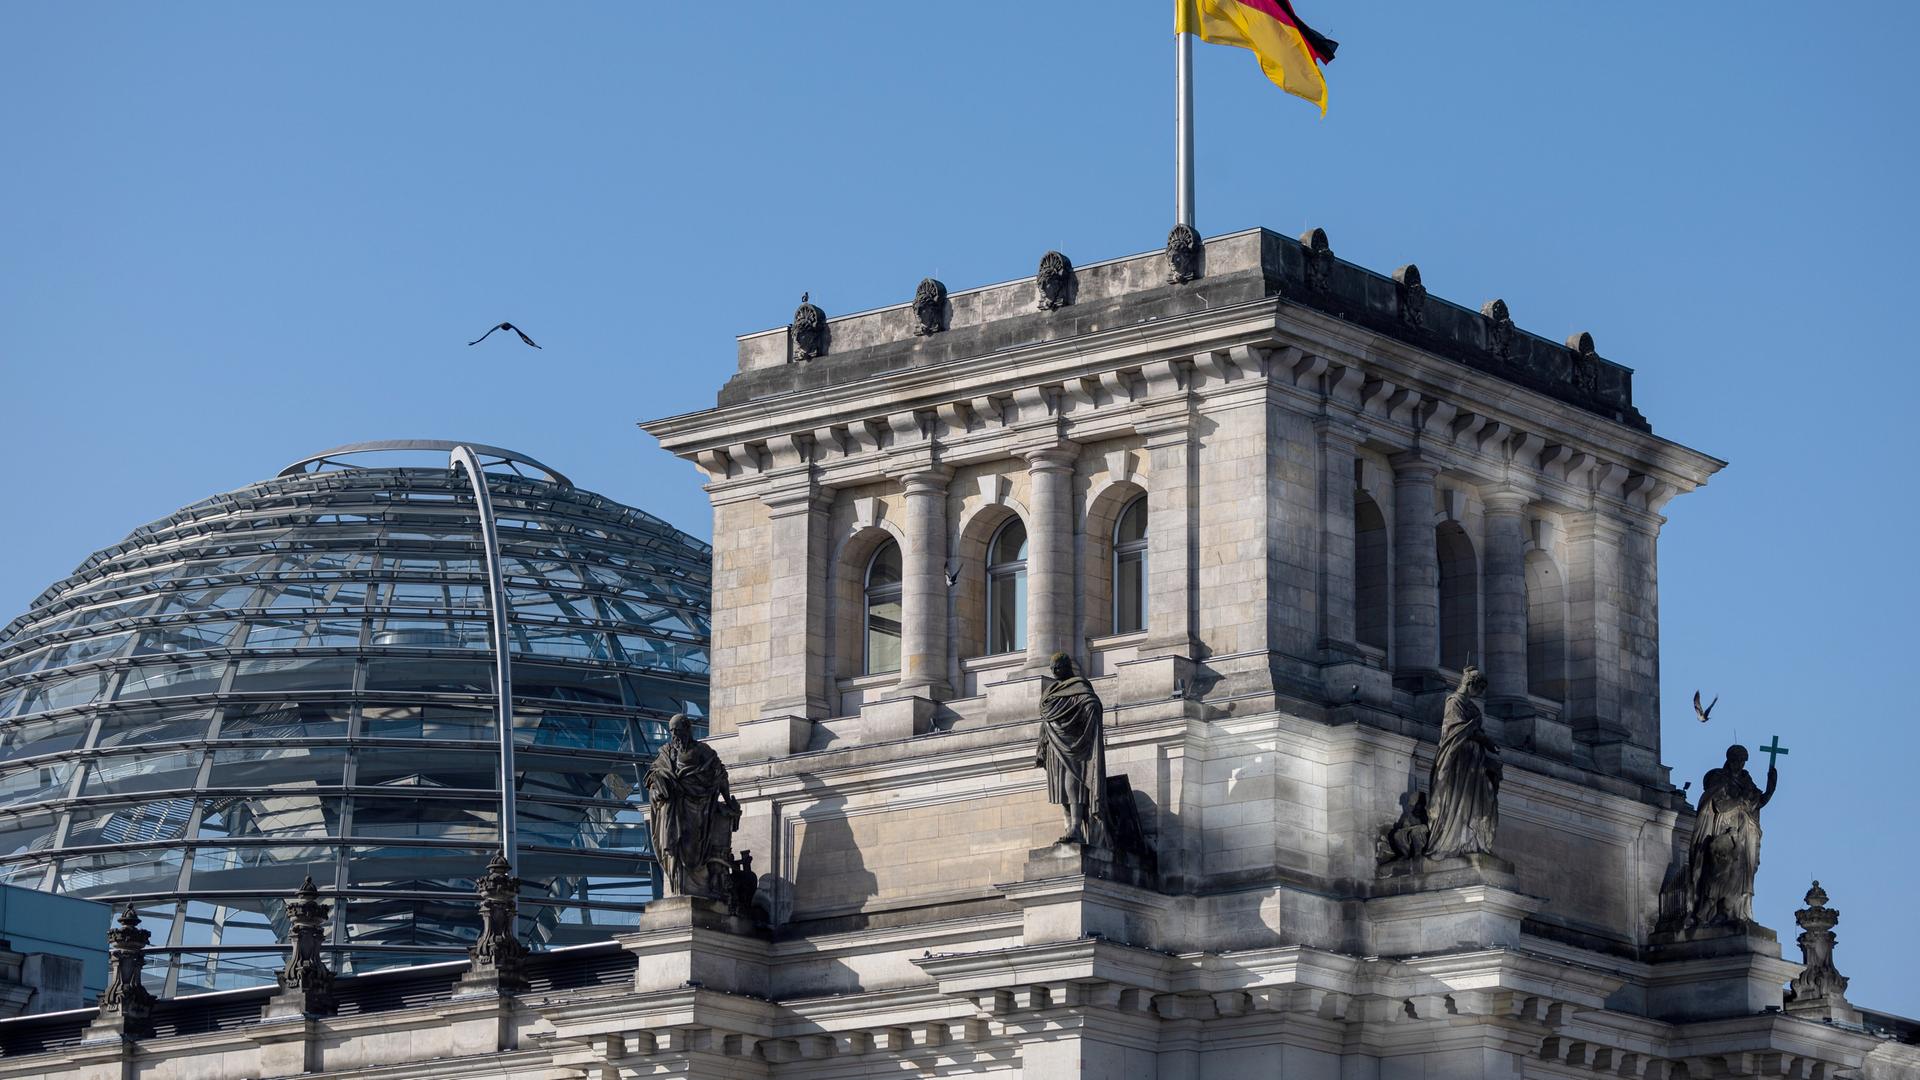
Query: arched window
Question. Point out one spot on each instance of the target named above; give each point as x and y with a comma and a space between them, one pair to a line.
1007, 589
882, 635
1459, 597
1370, 586
1130, 568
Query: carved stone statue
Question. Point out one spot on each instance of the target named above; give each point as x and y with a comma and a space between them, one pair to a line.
1054, 281
1585, 372
693, 814
1412, 295
1319, 259
1499, 328
1725, 853
306, 969
1463, 807
1406, 838
1072, 749
1819, 979
1183, 254
809, 330
929, 307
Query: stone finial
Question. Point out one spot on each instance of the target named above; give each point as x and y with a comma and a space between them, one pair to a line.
1499, 328
306, 983
1319, 258
1054, 281
808, 331
1584, 373
1412, 295
1183, 254
929, 307
126, 1006
499, 958
1819, 989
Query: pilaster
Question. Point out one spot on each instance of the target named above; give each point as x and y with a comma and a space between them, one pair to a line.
796, 677
1416, 576
1593, 628
1171, 584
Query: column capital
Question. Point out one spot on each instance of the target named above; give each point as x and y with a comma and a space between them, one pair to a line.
1409, 467
797, 498
1504, 501
1058, 457
925, 479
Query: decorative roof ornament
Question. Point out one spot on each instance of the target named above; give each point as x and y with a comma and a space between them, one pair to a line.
1499, 328
1319, 259
126, 1005
1585, 371
1411, 295
499, 957
1819, 984
1183, 254
306, 972
929, 307
808, 331
1054, 281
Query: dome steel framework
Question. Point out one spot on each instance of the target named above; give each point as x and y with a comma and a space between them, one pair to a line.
298, 677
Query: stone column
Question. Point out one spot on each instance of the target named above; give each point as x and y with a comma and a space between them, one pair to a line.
1170, 495
1593, 628
923, 592
796, 678
1504, 580
1050, 571
1416, 574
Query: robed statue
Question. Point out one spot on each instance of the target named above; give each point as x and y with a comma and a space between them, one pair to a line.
1725, 853
1463, 794
692, 814
1073, 751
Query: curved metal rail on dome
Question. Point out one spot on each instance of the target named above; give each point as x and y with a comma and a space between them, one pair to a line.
491, 455
464, 457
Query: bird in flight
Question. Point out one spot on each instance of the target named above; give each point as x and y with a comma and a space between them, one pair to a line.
507, 326
1706, 712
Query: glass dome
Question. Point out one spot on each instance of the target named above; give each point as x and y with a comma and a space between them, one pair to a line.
296, 678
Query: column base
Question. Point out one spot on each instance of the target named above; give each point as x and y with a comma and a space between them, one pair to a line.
1068, 892
896, 718
692, 942
1715, 972
1425, 906
774, 736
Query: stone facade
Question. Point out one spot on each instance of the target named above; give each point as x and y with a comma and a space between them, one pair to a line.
1348, 500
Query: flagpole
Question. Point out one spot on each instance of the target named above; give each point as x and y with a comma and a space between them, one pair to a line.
1183, 128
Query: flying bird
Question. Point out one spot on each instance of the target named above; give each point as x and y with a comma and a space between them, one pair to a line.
507, 326
1700, 712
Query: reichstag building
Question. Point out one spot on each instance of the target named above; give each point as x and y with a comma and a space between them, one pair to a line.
296, 678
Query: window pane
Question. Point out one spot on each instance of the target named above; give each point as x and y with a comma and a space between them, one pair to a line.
1007, 612
137, 726
284, 721
426, 722
41, 737
25, 833
121, 774
265, 767
185, 637
139, 823
432, 676
35, 783
428, 766
134, 870
1009, 545
432, 819
883, 632
1129, 591
885, 567
304, 673
270, 815
259, 869
172, 679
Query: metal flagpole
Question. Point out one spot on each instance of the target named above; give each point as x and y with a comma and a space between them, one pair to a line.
1183, 128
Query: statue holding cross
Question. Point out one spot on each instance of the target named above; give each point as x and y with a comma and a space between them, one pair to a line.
1725, 853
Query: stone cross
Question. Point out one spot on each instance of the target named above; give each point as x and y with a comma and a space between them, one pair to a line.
1774, 751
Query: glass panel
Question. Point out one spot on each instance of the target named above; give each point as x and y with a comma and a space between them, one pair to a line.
426, 722
431, 676
1129, 591
136, 824
184, 637
433, 819
274, 815
1133, 523
305, 673
126, 774
396, 921
234, 920
566, 684
63, 693
428, 767
574, 641
41, 737
267, 869
137, 726
284, 721
1009, 544
36, 783
207, 972
1007, 611
571, 730
883, 630
406, 866
432, 634
884, 569
114, 873
303, 633
577, 777
266, 767
25, 833
172, 679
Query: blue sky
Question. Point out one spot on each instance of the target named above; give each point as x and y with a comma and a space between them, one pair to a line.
232, 235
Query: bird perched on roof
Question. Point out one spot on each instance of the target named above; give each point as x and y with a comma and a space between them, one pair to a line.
1700, 712
506, 326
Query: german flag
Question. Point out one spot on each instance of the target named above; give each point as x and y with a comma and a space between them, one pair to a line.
1290, 51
